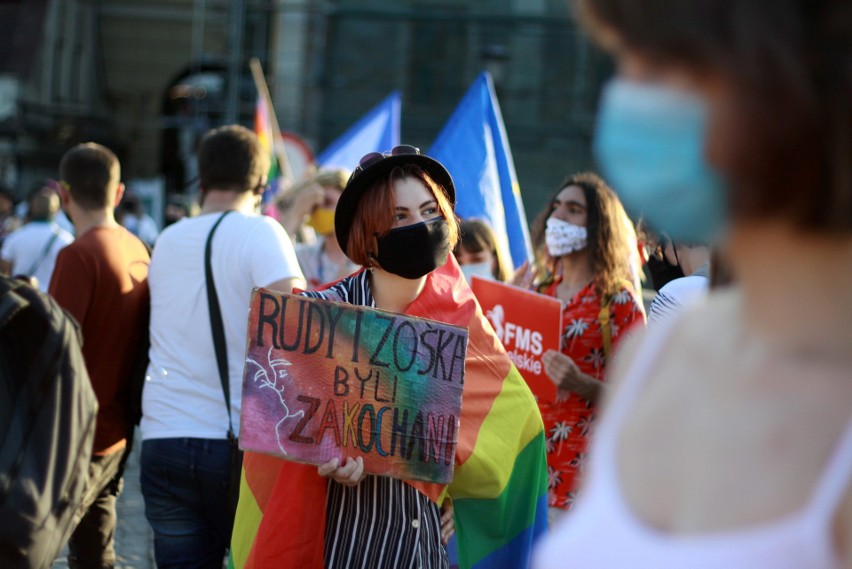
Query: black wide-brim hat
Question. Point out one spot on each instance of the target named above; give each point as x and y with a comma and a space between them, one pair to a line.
376, 166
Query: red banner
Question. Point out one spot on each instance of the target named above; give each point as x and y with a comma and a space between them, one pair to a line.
528, 324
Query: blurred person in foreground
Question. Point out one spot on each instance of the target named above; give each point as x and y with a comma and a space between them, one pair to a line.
586, 250
101, 279
32, 249
478, 252
728, 442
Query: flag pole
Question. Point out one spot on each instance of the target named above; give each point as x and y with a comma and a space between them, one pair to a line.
277, 140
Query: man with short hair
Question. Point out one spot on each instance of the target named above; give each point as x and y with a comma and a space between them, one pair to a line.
186, 454
31, 250
101, 280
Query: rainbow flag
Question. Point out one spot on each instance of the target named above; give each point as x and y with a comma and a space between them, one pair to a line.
263, 130
499, 490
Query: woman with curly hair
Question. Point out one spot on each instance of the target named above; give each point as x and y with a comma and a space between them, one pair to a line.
584, 249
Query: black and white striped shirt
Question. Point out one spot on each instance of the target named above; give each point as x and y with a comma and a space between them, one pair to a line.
381, 522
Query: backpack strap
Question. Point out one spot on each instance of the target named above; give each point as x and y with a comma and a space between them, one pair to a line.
606, 327
53, 236
606, 321
216, 325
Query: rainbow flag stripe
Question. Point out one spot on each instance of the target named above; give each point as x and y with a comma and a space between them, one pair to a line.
499, 490
263, 124
263, 130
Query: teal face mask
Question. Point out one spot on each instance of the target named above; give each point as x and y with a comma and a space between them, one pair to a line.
649, 144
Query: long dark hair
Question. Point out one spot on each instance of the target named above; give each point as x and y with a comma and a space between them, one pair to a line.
608, 237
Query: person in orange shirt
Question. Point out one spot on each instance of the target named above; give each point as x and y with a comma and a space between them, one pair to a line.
102, 281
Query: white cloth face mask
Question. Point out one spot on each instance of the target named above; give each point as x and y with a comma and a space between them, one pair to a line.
563, 237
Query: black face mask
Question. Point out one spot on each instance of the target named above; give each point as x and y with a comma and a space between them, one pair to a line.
415, 250
662, 271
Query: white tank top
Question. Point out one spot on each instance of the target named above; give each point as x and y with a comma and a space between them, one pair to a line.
601, 532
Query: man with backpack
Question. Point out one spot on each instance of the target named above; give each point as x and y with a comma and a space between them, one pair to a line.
102, 281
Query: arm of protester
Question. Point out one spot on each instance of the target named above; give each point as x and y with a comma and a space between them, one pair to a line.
524, 276
568, 378
448, 523
298, 204
5, 267
350, 474
287, 285
273, 263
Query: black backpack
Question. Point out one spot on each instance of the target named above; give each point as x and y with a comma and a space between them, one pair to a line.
47, 426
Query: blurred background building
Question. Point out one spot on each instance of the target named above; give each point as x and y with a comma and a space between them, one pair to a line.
148, 77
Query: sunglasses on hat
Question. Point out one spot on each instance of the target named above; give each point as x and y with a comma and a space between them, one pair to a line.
375, 157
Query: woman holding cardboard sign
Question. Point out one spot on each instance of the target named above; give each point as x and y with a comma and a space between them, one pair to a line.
585, 250
395, 218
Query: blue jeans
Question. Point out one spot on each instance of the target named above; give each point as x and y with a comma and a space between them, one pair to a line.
185, 484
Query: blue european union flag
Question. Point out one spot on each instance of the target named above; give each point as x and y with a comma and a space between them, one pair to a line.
376, 131
475, 149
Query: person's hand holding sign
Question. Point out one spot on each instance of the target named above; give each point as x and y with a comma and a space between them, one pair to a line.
448, 522
350, 474
524, 276
568, 378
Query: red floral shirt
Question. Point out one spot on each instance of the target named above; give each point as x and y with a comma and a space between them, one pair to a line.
567, 422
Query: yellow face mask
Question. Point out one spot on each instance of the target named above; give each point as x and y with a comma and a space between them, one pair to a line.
322, 220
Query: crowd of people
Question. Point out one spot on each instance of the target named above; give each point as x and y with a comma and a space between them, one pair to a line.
720, 436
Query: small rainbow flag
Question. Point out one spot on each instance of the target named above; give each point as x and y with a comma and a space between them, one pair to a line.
499, 490
263, 130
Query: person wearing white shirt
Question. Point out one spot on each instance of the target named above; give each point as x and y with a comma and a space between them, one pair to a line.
186, 425
694, 262
31, 250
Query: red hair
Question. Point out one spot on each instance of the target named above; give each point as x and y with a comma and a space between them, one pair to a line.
374, 214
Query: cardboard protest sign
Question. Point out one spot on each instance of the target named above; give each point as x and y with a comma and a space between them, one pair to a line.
330, 380
528, 324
